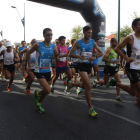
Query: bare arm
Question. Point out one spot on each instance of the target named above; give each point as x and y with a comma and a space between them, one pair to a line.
56, 55
122, 45
16, 56
99, 50
2, 52
106, 55
22, 52
34, 48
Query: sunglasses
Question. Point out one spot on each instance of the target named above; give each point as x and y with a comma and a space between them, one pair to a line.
8, 46
48, 34
34, 41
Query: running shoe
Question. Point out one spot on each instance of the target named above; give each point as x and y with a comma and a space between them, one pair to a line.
28, 91
39, 108
63, 77
120, 100
112, 82
92, 112
94, 84
80, 88
69, 86
66, 90
8, 89
78, 91
36, 96
23, 79
3, 79
52, 89
26, 78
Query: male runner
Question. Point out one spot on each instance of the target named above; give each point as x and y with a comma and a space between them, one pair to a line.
30, 74
63, 65
9, 56
23, 43
95, 61
44, 53
111, 67
132, 61
84, 48
1, 60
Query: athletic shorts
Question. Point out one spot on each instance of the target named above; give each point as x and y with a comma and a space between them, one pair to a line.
53, 67
95, 62
1, 60
110, 71
76, 68
61, 69
33, 71
46, 76
84, 67
133, 75
10, 68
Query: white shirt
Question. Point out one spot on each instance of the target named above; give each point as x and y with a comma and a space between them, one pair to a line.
1, 49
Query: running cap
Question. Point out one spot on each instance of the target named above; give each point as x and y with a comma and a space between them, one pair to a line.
8, 44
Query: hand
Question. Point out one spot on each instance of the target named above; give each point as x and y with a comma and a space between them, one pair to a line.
129, 59
92, 58
82, 57
116, 61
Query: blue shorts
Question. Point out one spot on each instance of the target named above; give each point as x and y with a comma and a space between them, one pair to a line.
61, 69
95, 62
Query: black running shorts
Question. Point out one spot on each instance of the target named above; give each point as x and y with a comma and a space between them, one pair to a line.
84, 67
110, 71
10, 68
133, 75
76, 68
46, 76
1, 60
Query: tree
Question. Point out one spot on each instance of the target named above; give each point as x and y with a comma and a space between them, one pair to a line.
76, 32
125, 31
135, 15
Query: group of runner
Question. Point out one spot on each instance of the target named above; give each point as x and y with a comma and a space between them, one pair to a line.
47, 61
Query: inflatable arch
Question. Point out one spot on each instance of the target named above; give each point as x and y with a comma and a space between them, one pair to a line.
90, 11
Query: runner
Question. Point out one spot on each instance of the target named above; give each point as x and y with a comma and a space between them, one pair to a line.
1, 61
73, 66
133, 61
63, 65
95, 61
30, 74
111, 68
84, 48
17, 64
23, 43
44, 53
9, 56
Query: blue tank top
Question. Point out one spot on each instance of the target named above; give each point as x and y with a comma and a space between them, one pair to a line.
43, 58
73, 59
21, 49
85, 49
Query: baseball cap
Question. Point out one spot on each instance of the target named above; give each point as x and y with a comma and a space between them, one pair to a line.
8, 44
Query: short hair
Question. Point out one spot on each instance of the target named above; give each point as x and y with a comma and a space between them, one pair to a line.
134, 22
46, 29
23, 41
73, 40
86, 28
96, 39
61, 37
112, 39
56, 40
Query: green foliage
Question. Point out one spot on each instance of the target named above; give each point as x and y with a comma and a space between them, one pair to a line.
76, 32
134, 16
125, 31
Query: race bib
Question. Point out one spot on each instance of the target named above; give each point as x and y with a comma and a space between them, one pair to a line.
9, 60
32, 61
62, 59
87, 56
113, 64
137, 58
45, 63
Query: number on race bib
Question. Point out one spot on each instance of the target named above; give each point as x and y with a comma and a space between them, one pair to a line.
45, 63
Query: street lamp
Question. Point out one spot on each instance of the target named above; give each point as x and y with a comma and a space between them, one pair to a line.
22, 20
118, 21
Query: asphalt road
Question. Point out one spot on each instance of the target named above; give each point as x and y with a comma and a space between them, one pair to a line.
66, 116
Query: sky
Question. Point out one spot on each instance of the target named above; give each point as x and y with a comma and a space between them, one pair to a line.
39, 16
